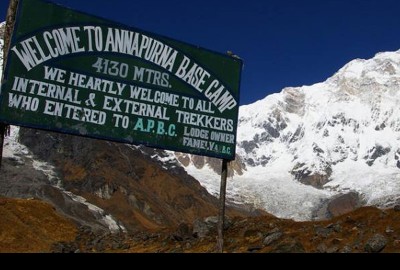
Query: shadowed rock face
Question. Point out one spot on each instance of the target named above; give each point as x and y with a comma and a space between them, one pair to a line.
344, 204
237, 166
294, 101
19, 179
305, 176
141, 193
338, 205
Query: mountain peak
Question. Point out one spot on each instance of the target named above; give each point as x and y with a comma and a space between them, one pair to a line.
382, 68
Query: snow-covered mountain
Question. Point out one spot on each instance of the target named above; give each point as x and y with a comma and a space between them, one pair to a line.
306, 144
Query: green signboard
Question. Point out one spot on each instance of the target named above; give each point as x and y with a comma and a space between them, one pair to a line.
75, 73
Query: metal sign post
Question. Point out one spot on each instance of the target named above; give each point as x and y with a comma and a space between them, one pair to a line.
12, 9
221, 217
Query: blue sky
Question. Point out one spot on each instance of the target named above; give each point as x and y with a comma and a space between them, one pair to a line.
282, 42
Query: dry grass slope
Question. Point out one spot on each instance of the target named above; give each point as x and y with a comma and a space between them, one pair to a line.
31, 226
34, 226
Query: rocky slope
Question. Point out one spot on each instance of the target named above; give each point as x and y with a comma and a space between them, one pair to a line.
364, 230
102, 184
33, 226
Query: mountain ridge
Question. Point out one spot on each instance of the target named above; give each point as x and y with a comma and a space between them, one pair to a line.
335, 137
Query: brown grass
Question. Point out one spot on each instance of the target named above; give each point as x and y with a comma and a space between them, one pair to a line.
31, 226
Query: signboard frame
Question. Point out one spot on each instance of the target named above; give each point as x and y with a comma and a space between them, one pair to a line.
196, 84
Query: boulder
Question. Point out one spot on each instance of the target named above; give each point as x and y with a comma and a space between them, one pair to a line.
376, 243
272, 238
254, 248
183, 232
322, 248
289, 246
343, 204
346, 249
202, 228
